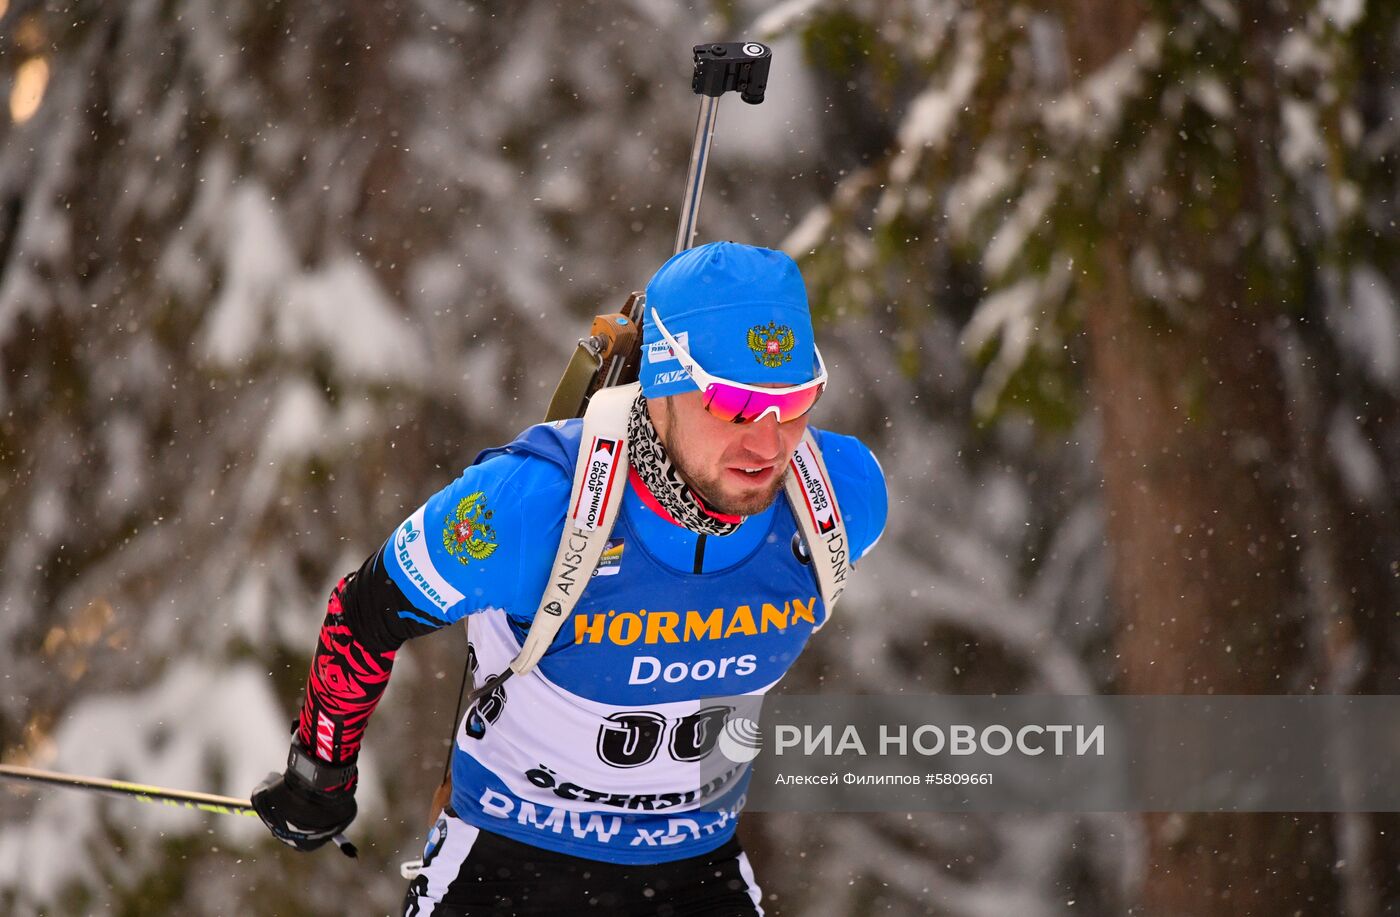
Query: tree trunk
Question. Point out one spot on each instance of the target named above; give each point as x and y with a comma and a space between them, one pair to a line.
1207, 572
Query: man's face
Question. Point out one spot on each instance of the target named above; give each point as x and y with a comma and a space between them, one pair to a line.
736, 468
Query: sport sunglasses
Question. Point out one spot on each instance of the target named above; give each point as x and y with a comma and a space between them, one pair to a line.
735, 402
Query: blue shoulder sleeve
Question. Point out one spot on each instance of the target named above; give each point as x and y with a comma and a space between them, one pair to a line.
860, 488
486, 540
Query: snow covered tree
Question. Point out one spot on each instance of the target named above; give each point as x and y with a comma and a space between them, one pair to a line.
270, 273
1178, 218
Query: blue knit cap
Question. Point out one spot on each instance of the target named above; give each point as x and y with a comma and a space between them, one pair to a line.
741, 311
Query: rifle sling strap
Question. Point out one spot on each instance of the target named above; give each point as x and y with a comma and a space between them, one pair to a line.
600, 475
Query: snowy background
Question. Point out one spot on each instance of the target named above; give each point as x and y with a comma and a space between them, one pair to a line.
1110, 289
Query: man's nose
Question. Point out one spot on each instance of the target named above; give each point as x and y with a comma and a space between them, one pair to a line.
761, 438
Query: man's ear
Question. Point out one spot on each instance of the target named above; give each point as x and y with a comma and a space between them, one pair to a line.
659, 409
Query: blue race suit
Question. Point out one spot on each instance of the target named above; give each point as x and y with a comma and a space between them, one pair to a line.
601, 751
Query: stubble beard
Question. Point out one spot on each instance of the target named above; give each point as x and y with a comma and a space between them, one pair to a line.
709, 488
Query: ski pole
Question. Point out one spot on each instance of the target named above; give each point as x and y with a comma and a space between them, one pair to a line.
185, 799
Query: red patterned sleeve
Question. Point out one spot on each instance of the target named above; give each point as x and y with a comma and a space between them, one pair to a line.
346, 682
354, 657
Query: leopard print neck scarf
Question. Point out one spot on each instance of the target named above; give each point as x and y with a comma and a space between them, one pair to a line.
649, 459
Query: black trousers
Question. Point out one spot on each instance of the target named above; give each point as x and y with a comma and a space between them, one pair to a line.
468, 872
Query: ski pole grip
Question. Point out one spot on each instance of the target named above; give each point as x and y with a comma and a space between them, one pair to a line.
740, 66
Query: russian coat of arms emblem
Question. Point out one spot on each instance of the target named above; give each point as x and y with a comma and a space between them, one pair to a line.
467, 534
771, 345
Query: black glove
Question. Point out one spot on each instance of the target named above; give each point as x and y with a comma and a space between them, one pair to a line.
295, 808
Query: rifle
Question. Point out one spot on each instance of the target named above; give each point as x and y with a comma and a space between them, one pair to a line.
611, 353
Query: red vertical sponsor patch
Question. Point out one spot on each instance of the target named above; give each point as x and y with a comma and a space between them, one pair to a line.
815, 489
597, 483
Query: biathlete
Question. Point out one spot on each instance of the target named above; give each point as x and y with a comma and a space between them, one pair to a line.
584, 784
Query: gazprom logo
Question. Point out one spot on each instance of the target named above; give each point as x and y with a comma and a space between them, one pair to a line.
411, 552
